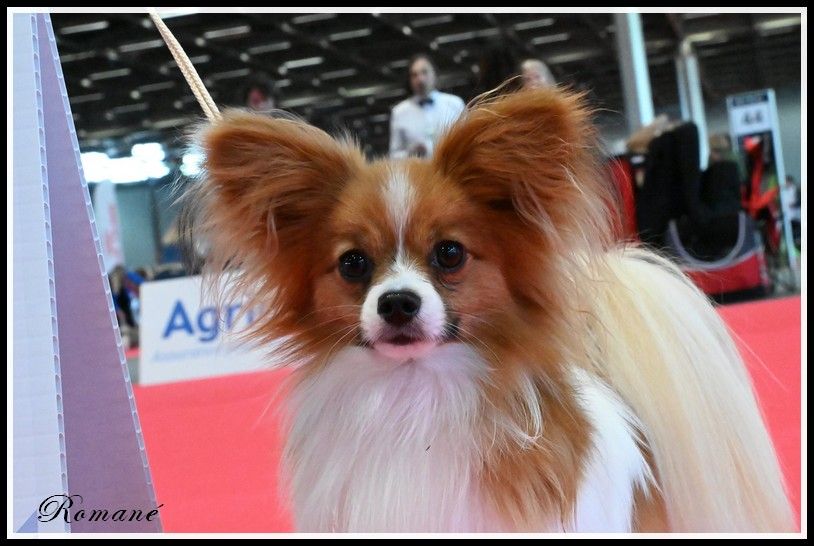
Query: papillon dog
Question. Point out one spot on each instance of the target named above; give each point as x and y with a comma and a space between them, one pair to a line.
472, 348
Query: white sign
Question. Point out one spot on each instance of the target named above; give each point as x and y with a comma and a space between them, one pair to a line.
184, 336
750, 114
106, 210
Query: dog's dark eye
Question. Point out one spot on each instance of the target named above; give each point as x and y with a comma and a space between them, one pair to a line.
449, 256
354, 266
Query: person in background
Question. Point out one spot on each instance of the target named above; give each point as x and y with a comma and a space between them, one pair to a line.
536, 74
793, 197
132, 282
259, 94
122, 304
793, 194
144, 273
121, 296
416, 122
720, 149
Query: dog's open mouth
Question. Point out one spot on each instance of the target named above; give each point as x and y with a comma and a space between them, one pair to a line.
403, 339
404, 346
413, 342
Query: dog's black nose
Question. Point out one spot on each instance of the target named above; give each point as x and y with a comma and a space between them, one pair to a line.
398, 308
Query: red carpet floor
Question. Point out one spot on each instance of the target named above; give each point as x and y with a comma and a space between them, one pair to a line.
214, 444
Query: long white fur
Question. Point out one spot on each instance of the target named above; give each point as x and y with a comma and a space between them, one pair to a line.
383, 446
615, 467
661, 345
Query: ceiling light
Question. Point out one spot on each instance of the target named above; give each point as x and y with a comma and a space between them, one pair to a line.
87, 27
109, 74
350, 34
429, 21
561, 37
300, 63
310, 18
139, 46
537, 23
227, 32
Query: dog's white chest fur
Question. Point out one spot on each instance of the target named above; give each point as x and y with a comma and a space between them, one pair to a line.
380, 446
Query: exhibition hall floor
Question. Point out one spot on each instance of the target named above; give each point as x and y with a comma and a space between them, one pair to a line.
214, 445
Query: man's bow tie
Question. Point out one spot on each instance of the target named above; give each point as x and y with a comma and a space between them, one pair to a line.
425, 102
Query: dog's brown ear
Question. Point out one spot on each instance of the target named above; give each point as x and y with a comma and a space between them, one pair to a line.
530, 154
259, 211
264, 173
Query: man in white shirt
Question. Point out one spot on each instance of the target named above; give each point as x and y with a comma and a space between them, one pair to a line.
792, 197
417, 122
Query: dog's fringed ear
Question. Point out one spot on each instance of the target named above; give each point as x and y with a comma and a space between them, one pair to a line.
267, 180
530, 154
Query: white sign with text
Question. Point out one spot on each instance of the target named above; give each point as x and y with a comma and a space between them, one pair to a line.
184, 336
750, 114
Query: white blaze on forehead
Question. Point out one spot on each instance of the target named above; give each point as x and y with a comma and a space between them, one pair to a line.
399, 195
